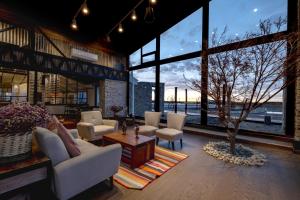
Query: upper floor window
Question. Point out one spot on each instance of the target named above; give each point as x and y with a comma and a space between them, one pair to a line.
242, 16
182, 38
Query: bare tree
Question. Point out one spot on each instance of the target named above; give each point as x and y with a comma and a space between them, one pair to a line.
249, 76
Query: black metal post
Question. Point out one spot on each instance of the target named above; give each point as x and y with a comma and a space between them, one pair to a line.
96, 87
55, 89
128, 82
157, 76
292, 26
66, 94
35, 88
77, 95
204, 64
175, 101
186, 100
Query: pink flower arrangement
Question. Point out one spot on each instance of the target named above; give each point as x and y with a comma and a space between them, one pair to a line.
22, 117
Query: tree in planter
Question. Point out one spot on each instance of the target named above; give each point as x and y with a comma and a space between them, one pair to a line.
251, 76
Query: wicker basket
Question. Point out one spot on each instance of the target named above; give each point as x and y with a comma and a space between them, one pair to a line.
15, 147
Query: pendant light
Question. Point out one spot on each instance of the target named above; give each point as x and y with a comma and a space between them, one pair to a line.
85, 10
149, 15
74, 25
133, 16
120, 28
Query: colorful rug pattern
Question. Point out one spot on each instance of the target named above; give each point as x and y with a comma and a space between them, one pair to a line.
140, 177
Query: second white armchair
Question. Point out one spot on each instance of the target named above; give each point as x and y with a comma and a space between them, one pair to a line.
92, 126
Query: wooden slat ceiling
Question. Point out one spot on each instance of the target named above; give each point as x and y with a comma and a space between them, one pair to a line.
57, 15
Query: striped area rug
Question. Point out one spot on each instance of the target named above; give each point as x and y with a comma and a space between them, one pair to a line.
140, 177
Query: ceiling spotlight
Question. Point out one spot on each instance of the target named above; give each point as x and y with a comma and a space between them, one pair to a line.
74, 25
153, 1
133, 15
120, 29
85, 10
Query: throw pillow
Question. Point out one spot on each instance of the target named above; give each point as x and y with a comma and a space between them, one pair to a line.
52, 125
67, 139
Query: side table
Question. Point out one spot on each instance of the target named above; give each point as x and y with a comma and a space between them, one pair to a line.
25, 175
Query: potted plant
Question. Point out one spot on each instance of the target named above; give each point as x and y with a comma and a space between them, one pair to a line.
116, 109
17, 121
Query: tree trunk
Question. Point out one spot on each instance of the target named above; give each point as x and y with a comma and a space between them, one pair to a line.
232, 145
232, 139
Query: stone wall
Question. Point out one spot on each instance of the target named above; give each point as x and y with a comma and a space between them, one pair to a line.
297, 112
297, 100
112, 93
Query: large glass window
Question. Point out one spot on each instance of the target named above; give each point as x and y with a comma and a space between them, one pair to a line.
141, 91
184, 37
178, 76
150, 47
242, 16
135, 58
268, 117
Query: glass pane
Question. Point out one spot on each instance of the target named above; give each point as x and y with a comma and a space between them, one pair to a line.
184, 37
72, 92
149, 58
241, 16
180, 74
141, 91
13, 86
61, 89
151, 46
135, 58
268, 117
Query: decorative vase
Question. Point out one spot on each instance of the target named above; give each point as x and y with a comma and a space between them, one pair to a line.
124, 127
15, 147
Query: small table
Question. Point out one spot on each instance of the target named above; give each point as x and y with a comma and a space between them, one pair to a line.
21, 175
135, 151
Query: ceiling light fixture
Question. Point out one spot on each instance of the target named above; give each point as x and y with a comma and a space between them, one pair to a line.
149, 17
74, 25
85, 11
133, 16
120, 28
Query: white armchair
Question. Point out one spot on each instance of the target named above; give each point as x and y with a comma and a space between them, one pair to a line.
93, 127
72, 176
173, 132
151, 123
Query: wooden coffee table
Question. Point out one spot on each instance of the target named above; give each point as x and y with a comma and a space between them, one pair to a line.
135, 151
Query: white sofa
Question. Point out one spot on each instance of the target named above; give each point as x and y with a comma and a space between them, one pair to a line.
92, 126
74, 175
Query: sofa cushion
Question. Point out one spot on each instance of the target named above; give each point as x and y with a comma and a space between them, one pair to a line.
85, 146
103, 129
169, 134
94, 117
68, 141
51, 145
147, 130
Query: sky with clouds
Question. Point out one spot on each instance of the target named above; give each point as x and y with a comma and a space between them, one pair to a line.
240, 16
